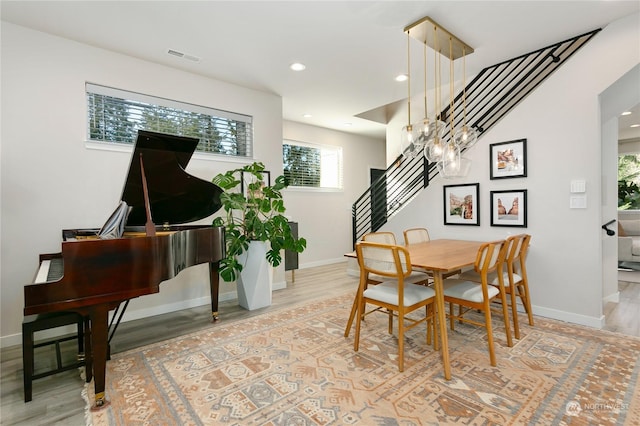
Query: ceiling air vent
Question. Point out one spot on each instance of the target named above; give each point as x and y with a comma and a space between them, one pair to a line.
183, 55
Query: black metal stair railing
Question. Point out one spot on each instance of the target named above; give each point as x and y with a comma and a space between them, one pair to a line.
400, 183
491, 95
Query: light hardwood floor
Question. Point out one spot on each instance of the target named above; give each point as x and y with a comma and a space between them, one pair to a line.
624, 317
57, 399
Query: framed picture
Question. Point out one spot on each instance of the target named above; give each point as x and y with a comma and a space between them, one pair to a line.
509, 208
508, 159
248, 179
461, 204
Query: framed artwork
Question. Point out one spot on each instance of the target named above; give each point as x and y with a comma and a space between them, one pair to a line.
509, 208
508, 159
247, 184
461, 204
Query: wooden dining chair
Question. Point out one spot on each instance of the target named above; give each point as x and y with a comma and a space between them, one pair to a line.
421, 235
416, 236
383, 237
416, 277
471, 296
395, 295
516, 283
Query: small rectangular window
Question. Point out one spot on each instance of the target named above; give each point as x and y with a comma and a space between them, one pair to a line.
115, 116
310, 165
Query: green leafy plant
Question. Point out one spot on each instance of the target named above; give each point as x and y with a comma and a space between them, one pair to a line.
628, 195
257, 215
628, 189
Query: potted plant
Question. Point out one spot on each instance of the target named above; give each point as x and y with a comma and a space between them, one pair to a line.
255, 213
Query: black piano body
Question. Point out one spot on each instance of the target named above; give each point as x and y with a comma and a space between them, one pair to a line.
99, 274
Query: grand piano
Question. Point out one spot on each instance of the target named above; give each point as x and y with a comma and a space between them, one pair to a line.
96, 275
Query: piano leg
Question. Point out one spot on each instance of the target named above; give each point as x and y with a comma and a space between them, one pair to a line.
214, 284
99, 335
88, 352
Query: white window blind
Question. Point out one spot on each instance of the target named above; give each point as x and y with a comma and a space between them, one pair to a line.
115, 115
312, 165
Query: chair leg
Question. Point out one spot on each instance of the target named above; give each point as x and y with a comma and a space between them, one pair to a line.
432, 325
354, 308
452, 317
487, 318
427, 312
514, 313
401, 341
526, 300
360, 310
505, 315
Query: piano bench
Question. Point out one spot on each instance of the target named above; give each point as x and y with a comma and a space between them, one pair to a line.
33, 323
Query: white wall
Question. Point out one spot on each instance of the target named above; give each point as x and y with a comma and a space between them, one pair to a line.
50, 180
561, 122
327, 224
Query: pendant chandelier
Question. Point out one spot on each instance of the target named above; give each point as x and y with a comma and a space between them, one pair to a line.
429, 137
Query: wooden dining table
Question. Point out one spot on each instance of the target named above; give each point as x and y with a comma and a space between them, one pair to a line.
440, 257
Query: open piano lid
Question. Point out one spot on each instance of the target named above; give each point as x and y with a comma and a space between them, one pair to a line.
175, 196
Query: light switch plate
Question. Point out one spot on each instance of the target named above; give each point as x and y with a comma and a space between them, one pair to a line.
578, 186
578, 202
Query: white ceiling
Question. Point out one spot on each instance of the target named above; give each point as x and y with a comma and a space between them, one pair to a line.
352, 49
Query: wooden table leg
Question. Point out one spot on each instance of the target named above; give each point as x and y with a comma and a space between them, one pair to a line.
442, 318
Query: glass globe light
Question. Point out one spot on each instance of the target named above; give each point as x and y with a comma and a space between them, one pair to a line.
407, 135
409, 144
450, 160
465, 137
433, 150
429, 129
419, 141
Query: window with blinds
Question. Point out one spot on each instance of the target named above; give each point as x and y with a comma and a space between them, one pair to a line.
312, 166
116, 115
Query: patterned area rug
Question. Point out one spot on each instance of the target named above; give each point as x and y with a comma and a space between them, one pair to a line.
294, 367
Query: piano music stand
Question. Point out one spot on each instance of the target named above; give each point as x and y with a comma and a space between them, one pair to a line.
33, 323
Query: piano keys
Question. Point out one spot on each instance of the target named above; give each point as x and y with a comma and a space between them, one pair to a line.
99, 274
49, 270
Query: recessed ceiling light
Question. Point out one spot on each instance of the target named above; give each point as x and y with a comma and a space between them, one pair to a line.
297, 66
402, 77
348, 124
307, 115
635, 125
626, 113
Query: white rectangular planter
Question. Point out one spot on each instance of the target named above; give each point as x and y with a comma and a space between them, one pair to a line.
255, 282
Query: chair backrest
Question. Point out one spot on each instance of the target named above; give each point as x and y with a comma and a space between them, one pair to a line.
383, 259
519, 245
380, 237
416, 236
491, 256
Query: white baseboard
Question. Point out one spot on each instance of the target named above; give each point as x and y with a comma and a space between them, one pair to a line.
595, 322
615, 298
322, 262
